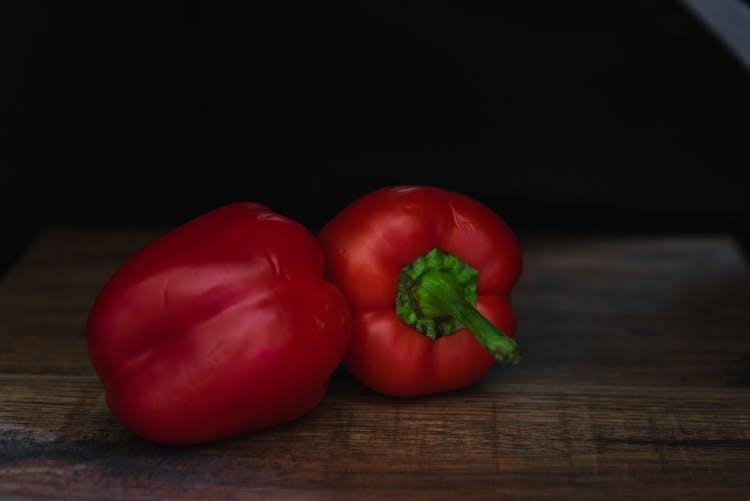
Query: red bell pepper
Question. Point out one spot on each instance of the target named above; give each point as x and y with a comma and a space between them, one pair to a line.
413, 262
222, 326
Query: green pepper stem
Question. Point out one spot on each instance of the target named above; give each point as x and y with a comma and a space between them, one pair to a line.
438, 294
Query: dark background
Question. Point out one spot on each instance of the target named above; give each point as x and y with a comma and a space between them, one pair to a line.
568, 117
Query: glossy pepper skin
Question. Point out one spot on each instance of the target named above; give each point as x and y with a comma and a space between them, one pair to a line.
367, 247
222, 326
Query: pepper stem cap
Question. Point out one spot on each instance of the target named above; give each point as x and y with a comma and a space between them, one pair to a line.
437, 295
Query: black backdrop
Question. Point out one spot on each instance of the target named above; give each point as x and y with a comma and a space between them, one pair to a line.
583, 116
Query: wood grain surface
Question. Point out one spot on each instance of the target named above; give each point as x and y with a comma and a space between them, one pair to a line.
635, 382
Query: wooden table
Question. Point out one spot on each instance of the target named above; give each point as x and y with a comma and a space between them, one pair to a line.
635, 381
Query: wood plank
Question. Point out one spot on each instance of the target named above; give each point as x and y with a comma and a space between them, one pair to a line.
652, 311
656, 311
521, 440
635, 382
